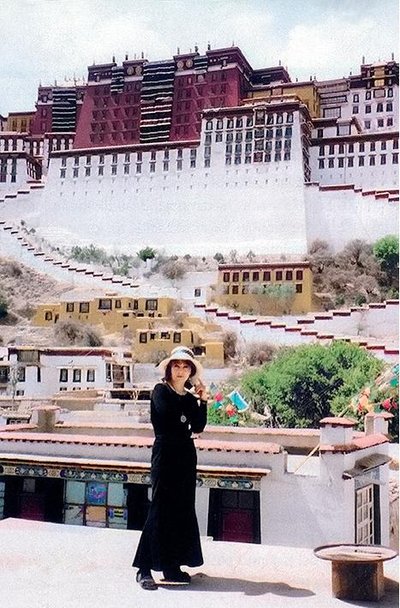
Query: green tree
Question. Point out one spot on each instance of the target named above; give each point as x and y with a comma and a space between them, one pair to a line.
304, 384
219, 257
147, 253
386, 251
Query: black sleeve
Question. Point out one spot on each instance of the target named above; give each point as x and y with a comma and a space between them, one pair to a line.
198, 419
160, 398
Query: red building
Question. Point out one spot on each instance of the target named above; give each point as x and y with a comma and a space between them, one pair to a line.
149, 102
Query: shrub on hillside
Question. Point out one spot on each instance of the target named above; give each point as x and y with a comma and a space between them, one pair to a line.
11, 268
229, 342
258, 353
173, 269
73, 333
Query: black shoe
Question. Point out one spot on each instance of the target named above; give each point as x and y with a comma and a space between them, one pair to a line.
146, 581
175, 575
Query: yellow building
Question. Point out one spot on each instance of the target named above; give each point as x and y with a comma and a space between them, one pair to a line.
19, 122
115, 313
266, 289
305, 91
150, 346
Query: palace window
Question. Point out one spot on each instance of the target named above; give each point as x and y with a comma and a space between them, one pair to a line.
143, 338
84, 307
75, 173
226, 277
246, 277
63, 375
151, 304
152, 167
289, 275
101, 170
266, 275
299, 275
249, 121
361, 161
235, 289
105, 304
383, 159
90, 375
356, 98
395, 158
278, 275
350, 161
320, 133
299, 288
62, 173
76, 375
69, 307
256, 276
372, 161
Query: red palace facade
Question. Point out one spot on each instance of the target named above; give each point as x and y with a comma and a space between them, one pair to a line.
149, 102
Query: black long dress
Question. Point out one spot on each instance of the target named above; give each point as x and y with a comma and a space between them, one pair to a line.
170, 535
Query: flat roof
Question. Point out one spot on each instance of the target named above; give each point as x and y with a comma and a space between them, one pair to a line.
36, 556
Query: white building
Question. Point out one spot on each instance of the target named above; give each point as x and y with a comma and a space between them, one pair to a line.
32, 372
246, 491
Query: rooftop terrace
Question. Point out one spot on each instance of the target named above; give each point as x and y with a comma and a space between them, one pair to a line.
47, 565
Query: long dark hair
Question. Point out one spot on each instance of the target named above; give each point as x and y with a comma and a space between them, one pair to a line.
168, 374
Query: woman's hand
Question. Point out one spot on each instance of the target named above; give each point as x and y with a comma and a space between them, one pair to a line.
201, 391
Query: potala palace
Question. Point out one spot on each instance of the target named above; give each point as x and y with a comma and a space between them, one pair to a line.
201, 153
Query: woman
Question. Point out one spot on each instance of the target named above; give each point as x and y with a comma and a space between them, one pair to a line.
170, 536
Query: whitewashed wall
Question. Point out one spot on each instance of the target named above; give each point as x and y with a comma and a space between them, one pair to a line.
341, 216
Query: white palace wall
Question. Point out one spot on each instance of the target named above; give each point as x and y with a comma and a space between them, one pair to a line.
201, 210
339, 216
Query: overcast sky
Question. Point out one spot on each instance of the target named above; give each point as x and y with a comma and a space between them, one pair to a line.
44, 40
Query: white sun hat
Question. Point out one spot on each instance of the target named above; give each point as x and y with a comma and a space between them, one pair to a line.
183, 353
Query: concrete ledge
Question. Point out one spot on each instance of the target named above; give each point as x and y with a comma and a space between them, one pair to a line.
62, 566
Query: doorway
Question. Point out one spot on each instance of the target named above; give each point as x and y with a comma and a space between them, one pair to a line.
234, 515
34, 498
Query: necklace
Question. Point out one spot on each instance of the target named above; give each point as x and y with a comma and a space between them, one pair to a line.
177, 392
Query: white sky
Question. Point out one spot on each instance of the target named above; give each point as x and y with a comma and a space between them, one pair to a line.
44, 40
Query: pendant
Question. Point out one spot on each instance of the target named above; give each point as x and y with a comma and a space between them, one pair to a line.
183, 418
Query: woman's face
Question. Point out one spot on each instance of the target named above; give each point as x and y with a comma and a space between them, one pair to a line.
180, 371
